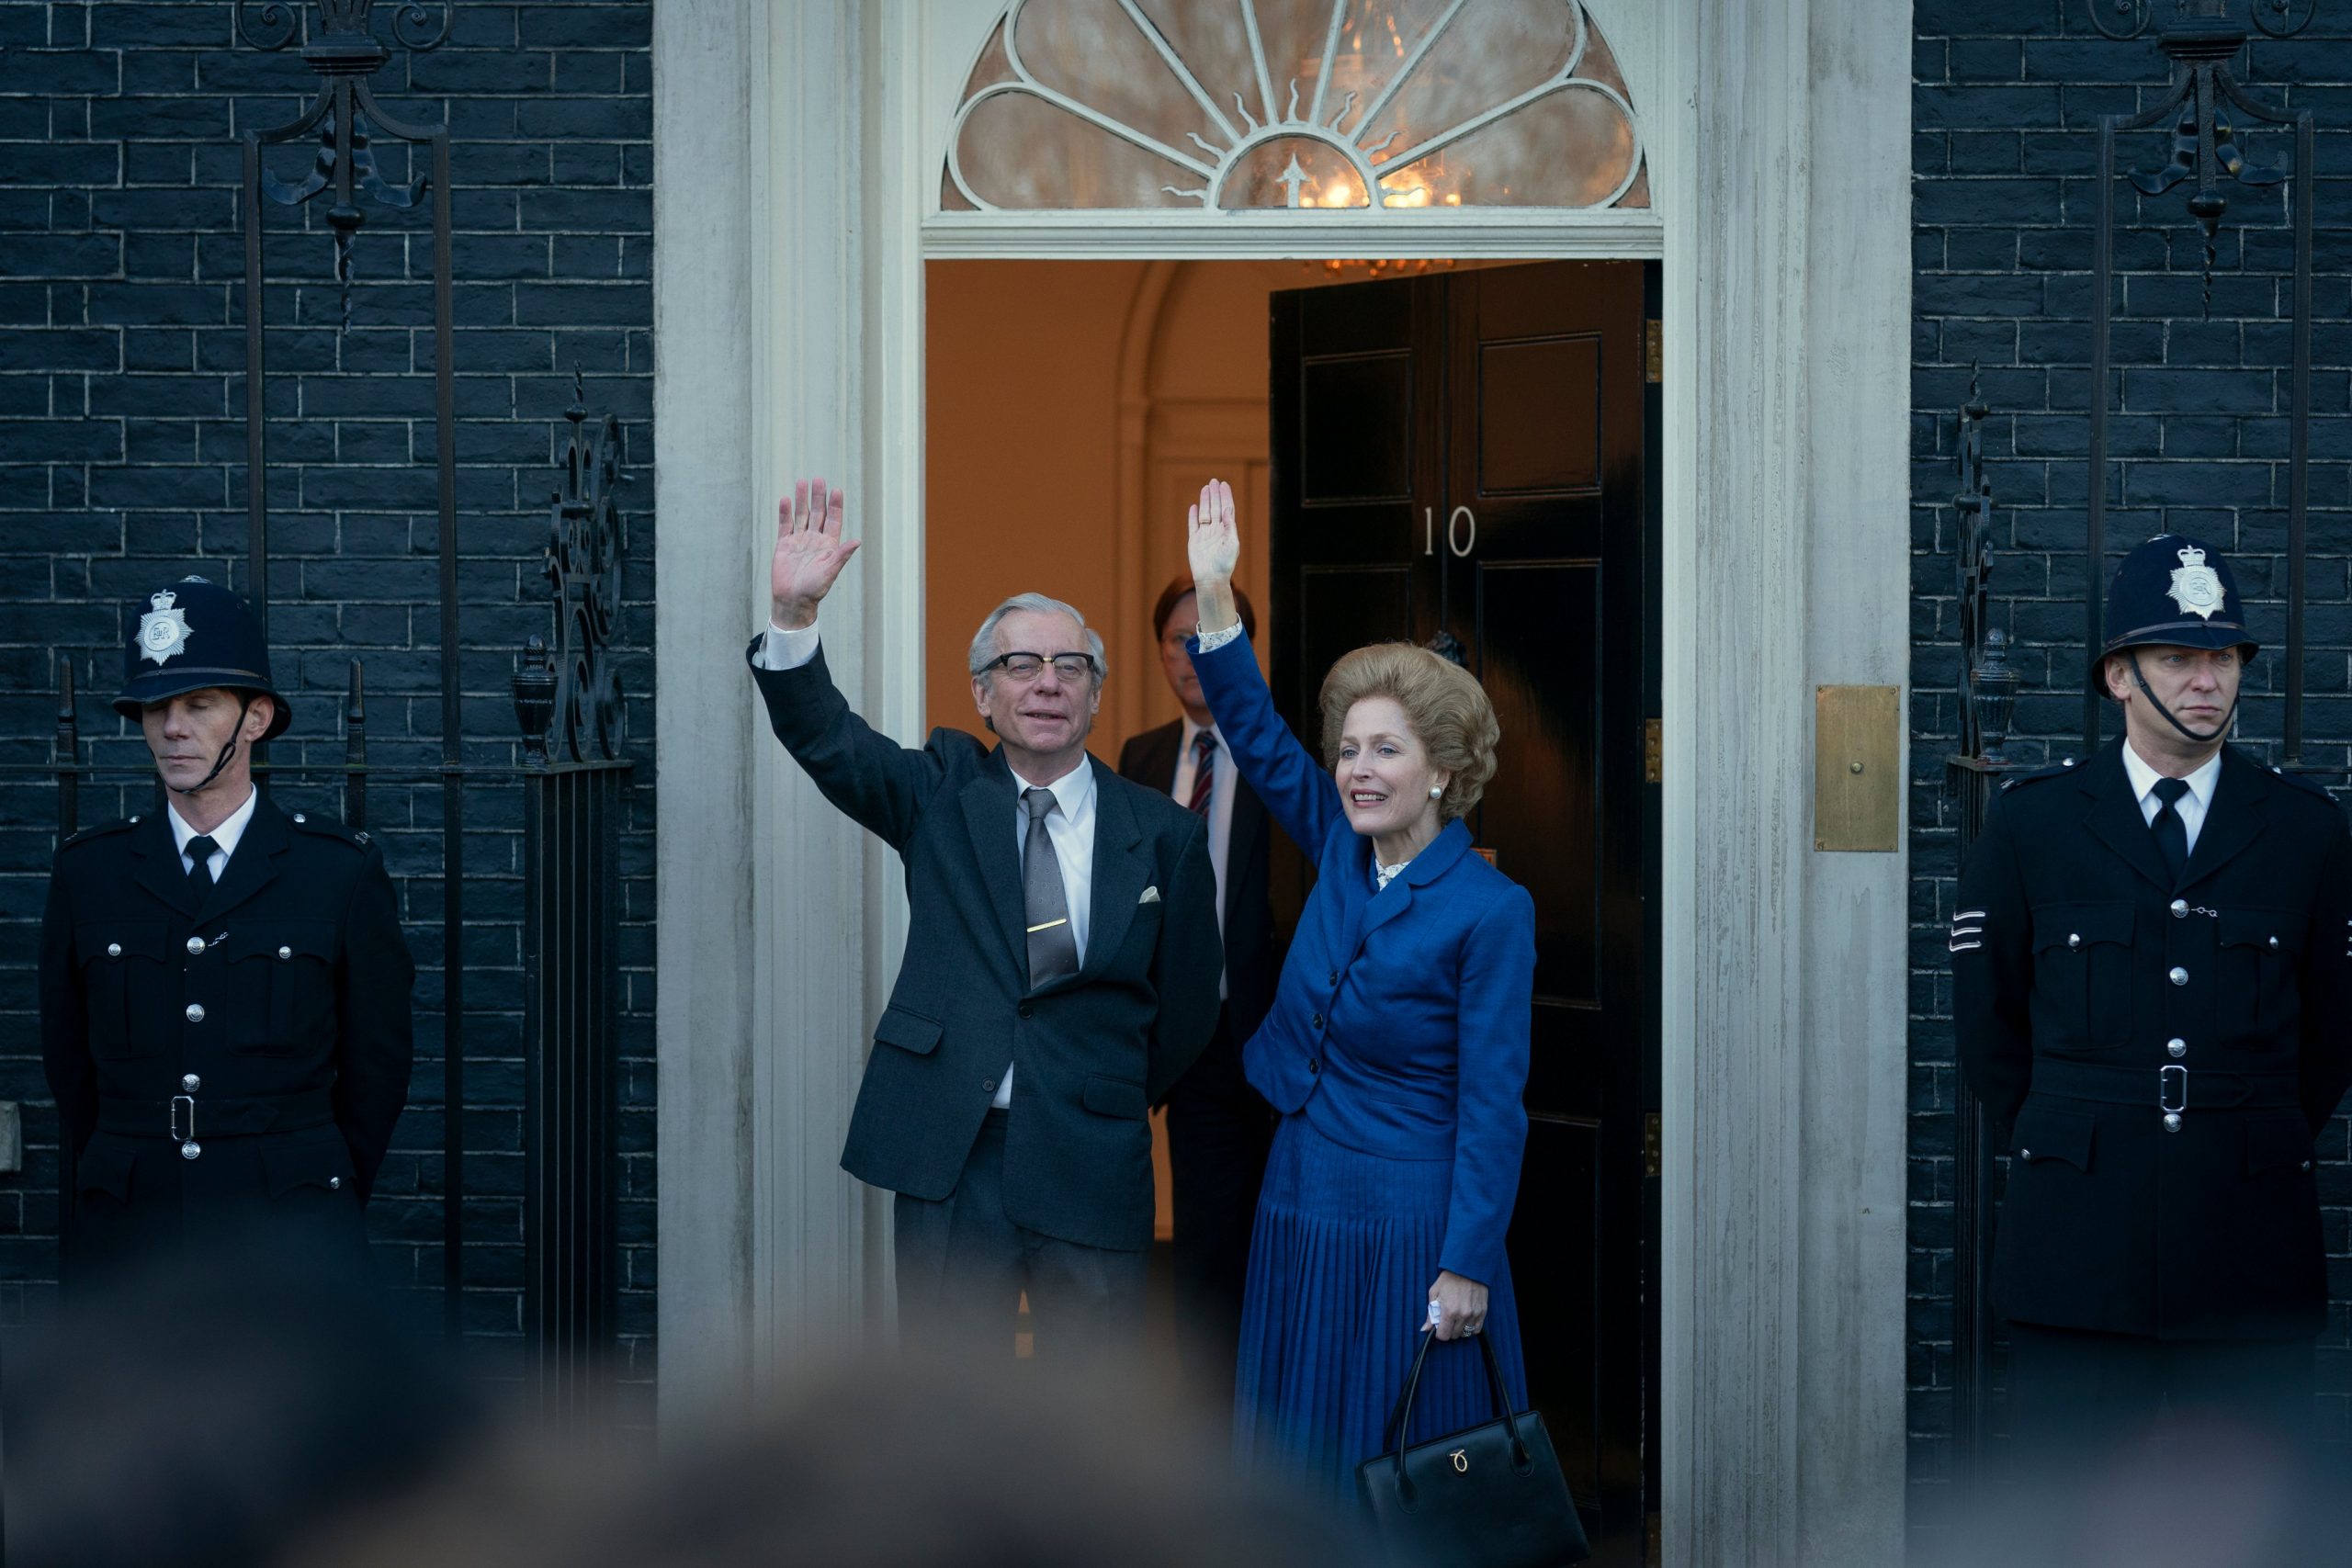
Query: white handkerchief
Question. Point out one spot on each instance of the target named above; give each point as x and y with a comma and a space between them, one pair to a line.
1151, 896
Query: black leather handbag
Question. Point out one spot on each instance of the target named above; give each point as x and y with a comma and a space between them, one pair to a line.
1491, 1496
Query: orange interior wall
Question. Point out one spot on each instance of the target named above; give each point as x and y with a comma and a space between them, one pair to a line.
1021, 446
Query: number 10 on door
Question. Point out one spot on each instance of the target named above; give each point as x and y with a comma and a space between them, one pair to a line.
1460, 530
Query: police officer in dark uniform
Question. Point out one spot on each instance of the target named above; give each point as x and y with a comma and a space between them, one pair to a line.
2154, 1000
224, 988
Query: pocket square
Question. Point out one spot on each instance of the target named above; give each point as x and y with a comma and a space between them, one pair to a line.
1151, 896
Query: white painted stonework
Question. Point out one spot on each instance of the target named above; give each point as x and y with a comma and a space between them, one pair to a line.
799, 149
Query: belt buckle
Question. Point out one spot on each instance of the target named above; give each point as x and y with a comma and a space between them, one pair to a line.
179, 1100
2167, 1087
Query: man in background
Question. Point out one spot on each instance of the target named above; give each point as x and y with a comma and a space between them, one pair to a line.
1218, 1127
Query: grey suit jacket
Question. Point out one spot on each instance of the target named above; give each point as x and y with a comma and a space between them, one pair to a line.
1092, 1051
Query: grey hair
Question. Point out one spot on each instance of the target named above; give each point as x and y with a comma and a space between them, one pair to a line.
984, 640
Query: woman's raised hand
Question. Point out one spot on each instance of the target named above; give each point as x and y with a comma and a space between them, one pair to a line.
1213, 545
1211, 539
809, 553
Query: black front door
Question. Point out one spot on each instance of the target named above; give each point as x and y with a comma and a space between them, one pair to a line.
1467, 454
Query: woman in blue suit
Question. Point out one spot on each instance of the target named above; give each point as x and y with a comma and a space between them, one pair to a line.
1396, 1050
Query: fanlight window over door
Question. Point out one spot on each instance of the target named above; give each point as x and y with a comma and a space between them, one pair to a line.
1348, 104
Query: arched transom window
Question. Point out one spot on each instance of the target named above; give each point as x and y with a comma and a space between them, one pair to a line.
1348, 104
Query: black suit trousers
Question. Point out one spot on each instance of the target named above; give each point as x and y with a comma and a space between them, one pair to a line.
1219, 1132
964, 1265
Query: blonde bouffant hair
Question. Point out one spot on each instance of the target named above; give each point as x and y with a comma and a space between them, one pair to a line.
1444, 704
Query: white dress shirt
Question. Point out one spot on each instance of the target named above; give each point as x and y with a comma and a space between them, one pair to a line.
1070, 825
2191, 806
224, 837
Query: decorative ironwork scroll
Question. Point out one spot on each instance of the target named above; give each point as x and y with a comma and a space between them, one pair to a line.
1987, 690
2202, 39
585, 541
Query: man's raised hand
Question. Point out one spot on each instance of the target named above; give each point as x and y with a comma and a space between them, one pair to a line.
809, 553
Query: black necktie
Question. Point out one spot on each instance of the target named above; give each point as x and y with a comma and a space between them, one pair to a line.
200, 852
1053, 947
2172, 834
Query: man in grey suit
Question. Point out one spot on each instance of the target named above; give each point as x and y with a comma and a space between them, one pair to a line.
1060, 972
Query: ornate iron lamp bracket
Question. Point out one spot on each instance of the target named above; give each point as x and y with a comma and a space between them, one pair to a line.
346, 54
2202, 38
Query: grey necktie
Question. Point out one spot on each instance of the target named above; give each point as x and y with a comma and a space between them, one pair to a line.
1053, 947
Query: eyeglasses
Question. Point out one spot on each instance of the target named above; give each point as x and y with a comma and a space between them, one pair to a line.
1026, 667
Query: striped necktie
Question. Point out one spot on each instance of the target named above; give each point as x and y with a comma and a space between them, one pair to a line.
1204, 772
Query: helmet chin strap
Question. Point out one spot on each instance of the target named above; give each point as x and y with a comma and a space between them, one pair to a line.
229, 750
2219, 732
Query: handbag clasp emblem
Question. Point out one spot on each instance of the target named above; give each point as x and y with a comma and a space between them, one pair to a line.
1461, 1458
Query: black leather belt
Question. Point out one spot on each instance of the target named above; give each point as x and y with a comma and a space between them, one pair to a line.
222, 1117
2167, 1089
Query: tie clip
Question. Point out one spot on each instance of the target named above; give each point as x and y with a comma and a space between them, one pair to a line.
1050, 925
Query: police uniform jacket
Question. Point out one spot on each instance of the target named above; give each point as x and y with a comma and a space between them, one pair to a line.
235, 1061
2157, 1054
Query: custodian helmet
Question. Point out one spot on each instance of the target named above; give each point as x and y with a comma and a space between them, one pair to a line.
191, 635
2172, 592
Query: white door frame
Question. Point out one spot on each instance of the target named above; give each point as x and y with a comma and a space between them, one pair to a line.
789, 289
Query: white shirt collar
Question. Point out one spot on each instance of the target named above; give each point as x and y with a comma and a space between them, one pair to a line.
1074, 791
1184, 744
2143, 777
225, 836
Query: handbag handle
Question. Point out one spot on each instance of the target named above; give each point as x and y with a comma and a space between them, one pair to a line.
1400, 1419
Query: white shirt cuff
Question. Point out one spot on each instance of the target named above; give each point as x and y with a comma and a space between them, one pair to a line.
1211, 641
781, 649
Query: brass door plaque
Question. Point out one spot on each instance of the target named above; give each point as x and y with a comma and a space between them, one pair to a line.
1856, 773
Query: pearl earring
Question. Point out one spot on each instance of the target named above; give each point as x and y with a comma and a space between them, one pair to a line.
1437, 792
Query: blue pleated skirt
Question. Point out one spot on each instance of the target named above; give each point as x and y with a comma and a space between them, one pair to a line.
1340, 1264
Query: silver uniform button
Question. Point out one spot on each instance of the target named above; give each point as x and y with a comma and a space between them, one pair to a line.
2274, 943
2179, 977
190, 1083
191, 1149
2172, 1121
114, 950
2025, 1154
2074, 939
334, 1182
285, 953
195, 945
2177, 1047
2180, 908
2305, 1165
195, 1013
299, 818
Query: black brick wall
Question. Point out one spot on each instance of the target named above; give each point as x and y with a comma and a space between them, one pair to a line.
2005, 104
122, 463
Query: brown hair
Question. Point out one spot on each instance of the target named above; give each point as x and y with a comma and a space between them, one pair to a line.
1444, 704
1182, 584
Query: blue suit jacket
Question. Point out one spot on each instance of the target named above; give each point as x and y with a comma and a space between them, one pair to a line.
1400, 1024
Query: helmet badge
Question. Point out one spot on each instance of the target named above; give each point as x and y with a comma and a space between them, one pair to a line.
164, 629
2196, 587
